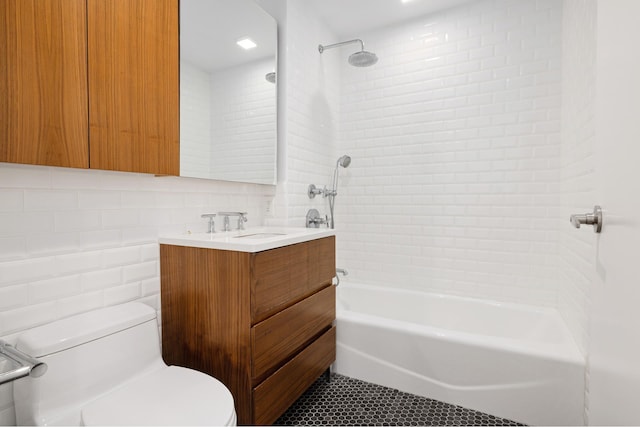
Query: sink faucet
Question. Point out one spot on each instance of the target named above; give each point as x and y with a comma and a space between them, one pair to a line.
212, 223
242, 218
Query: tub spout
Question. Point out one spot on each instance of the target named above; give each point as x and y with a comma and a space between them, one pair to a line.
338, 272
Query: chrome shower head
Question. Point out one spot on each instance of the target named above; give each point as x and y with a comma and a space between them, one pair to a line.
363, 59
358, 59
344, 161
270, 77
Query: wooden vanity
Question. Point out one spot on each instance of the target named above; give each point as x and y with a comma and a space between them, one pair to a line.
260, 322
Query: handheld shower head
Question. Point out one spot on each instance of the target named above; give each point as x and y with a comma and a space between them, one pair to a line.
344, 161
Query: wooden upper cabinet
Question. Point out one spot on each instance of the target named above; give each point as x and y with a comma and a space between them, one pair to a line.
43, 82
90, 83
133, 85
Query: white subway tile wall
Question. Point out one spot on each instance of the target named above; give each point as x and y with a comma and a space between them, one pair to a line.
578, 248
243, 122
455, 140
195, 121
312, 90
228, 121
76, 240
57, 242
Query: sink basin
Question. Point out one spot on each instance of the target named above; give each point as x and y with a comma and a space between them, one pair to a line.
252, 240
259, 235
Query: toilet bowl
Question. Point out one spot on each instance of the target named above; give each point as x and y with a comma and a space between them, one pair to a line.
105, 368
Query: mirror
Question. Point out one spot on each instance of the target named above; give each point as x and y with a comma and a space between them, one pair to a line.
227, 93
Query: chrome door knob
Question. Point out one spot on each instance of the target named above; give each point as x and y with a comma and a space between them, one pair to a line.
594, 219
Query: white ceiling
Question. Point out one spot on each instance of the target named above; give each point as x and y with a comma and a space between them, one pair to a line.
350, 18
209, 30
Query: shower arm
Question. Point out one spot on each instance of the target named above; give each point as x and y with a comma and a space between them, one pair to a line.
321, 48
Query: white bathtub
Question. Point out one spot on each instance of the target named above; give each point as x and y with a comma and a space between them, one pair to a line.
509, 360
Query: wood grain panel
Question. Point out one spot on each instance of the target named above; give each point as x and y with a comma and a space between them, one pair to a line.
284, 276
280, 336
133, 85
280, 390
206, 298
43, 82
205, 316
322, 261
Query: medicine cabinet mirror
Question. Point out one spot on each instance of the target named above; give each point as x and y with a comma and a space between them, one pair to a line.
227, 93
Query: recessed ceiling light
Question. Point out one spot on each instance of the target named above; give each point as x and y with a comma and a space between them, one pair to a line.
246, 43
406, 1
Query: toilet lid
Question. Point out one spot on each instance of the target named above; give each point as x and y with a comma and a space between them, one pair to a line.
169, 396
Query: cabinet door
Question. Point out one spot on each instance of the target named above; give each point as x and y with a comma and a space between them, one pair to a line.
43, 82
133, 85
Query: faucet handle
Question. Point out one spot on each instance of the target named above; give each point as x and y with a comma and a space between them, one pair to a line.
212, 223
242, 218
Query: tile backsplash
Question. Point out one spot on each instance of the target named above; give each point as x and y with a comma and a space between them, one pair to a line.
73, 240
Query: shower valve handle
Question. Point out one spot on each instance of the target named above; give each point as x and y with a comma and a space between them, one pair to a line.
313, 191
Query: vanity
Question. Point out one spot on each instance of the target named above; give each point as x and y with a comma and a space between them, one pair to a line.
253, 308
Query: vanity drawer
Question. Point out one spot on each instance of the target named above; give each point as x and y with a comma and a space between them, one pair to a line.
284, 276
286, 385
277, 338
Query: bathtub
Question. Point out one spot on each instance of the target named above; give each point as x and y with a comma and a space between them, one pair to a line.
508, 360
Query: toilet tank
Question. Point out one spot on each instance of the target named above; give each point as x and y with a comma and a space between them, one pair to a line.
87, 355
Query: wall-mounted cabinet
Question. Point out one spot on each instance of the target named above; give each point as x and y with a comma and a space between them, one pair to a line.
228, 110
43, 82
90, 84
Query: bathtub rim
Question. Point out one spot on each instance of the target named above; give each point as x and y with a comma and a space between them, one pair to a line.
567, 351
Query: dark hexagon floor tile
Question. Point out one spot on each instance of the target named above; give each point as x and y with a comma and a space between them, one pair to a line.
350, 402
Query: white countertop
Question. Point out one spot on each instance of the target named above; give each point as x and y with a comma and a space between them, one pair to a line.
250, 240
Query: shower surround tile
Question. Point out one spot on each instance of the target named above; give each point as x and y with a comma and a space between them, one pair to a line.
455, 141
350, 402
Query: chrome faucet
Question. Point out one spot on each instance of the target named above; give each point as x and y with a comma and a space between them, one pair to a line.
590, 218
242, 218
212, 223
338, 272
314, 220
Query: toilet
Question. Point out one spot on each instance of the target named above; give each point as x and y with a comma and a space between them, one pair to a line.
105, 368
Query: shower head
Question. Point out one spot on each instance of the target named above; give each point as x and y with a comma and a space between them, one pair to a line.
363, 59
344, 161
358, 59
270, 77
